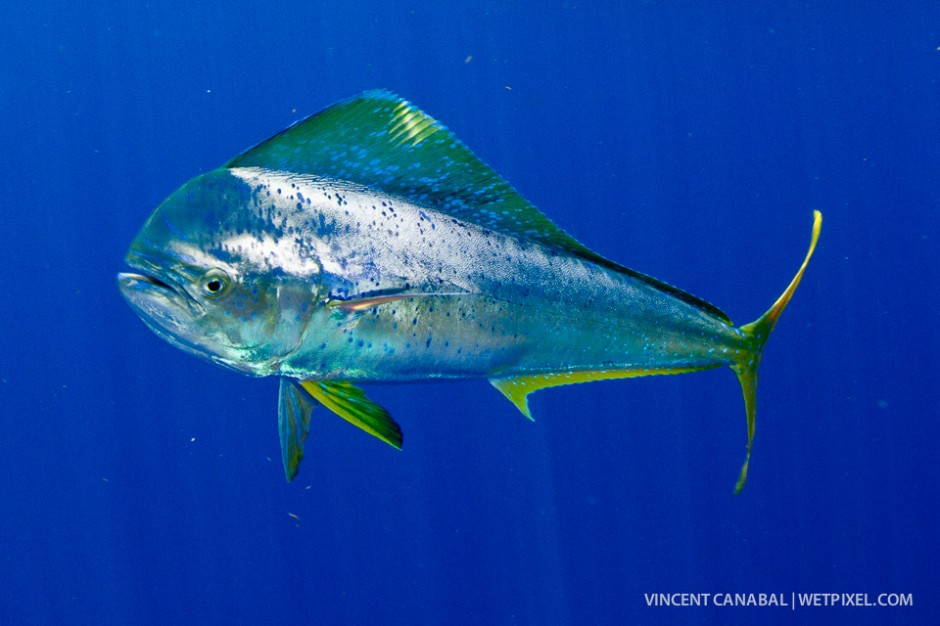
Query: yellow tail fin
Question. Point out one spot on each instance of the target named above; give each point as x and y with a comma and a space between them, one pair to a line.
756, 334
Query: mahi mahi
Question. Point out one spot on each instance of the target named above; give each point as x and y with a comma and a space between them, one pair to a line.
367, 243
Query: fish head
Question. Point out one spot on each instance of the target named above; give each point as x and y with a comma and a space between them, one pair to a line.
215, 276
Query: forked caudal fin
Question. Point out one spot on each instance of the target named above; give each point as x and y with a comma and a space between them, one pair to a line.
518, 388
756, 334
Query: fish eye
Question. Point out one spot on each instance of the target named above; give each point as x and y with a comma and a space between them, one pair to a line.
215, 282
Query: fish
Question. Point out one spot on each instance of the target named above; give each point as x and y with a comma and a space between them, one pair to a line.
367, 243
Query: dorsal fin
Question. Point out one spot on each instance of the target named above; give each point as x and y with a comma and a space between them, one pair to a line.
385, 143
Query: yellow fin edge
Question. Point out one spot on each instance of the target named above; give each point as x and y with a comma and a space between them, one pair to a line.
517, 388
350, 403
757, 333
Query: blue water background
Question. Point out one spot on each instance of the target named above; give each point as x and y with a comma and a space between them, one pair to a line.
688, 140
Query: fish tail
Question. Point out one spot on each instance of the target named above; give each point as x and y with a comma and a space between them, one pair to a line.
756, 335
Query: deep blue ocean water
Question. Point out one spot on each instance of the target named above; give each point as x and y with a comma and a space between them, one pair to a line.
687, 140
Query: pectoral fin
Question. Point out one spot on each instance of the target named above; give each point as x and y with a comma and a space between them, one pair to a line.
360, 304
351, 403
293, 422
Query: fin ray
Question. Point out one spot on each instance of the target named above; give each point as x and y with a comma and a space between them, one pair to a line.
517, 388
351, 404
385, 143
359, 304
293, 423
756, 335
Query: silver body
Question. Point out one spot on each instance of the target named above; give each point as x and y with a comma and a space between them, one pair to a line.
479, 303
366, 243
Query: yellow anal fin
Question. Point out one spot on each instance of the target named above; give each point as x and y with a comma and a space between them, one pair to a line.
350, 403
517, 388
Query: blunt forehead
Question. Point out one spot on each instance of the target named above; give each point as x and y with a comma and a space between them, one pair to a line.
219, 218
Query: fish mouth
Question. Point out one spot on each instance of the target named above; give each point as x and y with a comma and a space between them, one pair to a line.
129, 280
165, 308
150, 280
136, 286
157, 300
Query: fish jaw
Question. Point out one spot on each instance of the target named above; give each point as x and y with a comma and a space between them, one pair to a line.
176, 318
158, 302
167, 310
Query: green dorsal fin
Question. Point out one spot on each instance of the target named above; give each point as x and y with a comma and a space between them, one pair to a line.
385, 143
